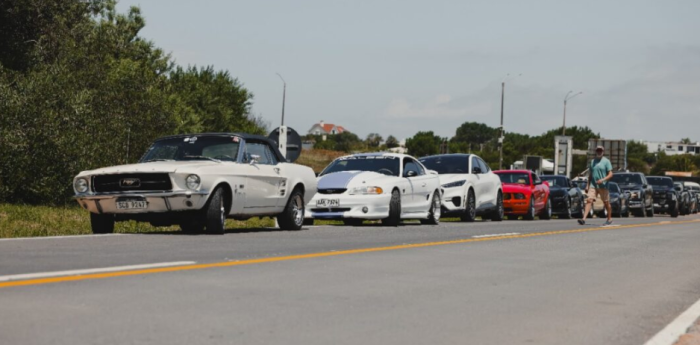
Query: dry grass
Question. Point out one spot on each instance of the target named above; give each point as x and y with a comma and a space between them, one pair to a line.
318, 159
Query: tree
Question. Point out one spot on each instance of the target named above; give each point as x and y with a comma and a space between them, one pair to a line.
374, 140
474, 133
686, 141
392, 142
423, 144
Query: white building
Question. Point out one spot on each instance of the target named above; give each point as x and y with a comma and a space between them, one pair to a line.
672, 148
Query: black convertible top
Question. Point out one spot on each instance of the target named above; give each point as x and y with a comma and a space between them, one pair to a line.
244, 136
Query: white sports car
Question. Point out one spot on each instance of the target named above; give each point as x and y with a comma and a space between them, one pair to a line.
197, 181
385, 186
469, 187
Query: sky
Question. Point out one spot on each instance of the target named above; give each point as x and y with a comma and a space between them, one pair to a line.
399, 67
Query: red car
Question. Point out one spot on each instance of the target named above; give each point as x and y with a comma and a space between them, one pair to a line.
525, 194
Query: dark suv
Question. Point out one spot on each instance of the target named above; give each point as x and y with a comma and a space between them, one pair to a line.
666, 197
640, 192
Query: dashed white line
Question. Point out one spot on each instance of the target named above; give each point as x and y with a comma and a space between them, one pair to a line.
497, 235
670, 334
91, 270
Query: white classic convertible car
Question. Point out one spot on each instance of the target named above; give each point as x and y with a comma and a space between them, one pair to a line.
197, 181
385, 186
469, 186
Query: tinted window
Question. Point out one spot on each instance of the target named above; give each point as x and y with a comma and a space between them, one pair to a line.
614, 188
262, 150
387, 165
625, 179
484, 167
224, 148
518, 178
447, 164
660, 181
411, 165
558, 181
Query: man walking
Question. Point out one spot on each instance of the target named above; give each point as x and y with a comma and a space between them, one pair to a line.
599, 173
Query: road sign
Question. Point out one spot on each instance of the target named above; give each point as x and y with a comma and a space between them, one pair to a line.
288, 142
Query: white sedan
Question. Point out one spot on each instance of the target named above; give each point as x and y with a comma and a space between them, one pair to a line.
470, 188
385, 186
197, 181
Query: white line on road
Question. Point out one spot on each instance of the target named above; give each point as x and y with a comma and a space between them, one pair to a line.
63, 237
91, 270
497, 235
670, 334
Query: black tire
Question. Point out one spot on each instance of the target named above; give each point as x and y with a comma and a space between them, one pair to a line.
619, 210
470, 207
394, 210
650, 211
102, 223
674, 211
582, 209
641, 213
626, 214
308, 221
567, 214
215, 213
292, 218
547, 212
434, 212
353, 221
530, 215
498, 214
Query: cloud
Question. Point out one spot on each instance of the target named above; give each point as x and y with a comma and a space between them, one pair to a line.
439, 107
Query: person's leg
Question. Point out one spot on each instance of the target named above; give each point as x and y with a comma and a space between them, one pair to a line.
605, 196
590, 199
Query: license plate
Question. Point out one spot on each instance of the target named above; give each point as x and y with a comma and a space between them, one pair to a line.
132, 205
327, 203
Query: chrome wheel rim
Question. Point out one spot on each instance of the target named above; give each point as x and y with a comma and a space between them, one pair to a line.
222, 211
436, 208
472, 206
298, 211
549, 208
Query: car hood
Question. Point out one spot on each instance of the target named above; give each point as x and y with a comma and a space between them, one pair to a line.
557, 191
516, 188
167, 167
628, 187
347, 179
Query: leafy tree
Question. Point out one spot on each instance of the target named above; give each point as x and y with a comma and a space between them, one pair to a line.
686, 141
374, 140
474, 133
392, 142
423, 144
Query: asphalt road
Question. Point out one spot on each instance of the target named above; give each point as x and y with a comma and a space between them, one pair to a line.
515, 282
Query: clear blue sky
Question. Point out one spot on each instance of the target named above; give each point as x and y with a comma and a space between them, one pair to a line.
397, 67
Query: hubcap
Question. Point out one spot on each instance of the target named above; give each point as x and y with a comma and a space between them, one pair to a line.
436, 208
223, 215
298, 211
472, 206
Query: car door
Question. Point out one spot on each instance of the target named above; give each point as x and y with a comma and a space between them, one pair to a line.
264, 180
478, 185
489, 185
417, 185
538, 191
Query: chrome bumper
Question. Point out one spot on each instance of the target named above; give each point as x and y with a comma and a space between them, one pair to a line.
157, 202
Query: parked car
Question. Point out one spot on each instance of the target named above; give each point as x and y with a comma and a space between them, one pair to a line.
692, 204
197, 181
619, 201
525, 194
666, 197
386, 186
640, 192
567, 198
684, 199
694, 188
469, 187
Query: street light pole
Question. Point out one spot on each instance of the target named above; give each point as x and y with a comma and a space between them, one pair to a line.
284, 96
566, 98
501, 137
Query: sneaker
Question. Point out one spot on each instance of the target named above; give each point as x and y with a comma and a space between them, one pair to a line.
581, 221
608, 222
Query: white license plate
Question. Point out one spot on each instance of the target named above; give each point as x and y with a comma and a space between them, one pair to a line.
131, 205
327, 203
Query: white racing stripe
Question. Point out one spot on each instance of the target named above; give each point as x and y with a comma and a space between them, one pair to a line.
497, 235
670, 334
61, 237
91, 270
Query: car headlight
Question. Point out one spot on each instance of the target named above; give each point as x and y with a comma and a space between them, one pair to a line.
80, 185
366, 190
454, 184
193, 181
519, 196
634, 195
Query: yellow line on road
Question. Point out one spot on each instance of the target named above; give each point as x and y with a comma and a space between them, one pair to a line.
315, 255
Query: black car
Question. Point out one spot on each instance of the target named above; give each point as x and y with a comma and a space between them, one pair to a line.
666, 197
567, 198
694, 188
619, 201
684, 199
640, 192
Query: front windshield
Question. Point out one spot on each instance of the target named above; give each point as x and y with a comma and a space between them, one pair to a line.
660, 181
387, 165
447, 164
517, 178
555, 181
626, 179
219, 148
613, 187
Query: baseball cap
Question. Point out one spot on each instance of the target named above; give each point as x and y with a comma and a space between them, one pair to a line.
600, 148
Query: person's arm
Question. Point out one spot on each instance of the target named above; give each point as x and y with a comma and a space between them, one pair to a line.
606, 178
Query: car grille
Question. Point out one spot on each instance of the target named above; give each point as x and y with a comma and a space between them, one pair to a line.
332, 191
140, 182
330, 210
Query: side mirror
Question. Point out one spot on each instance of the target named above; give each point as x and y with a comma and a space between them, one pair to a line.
645, 186
433, 172
476, 170
410, 173
254, 159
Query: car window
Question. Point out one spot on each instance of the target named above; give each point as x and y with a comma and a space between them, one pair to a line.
387, 165
410, 165
224, 148
262, 150
457, 164
475, 164
483, 166
627, 179
559, 181
517, 178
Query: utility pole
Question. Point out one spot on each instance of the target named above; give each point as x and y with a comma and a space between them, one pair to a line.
284, 96
500, 137
566, 98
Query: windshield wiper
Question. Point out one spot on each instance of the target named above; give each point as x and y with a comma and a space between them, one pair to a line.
205, 157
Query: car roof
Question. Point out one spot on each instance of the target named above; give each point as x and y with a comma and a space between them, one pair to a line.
376, 154
449, 155
244, 136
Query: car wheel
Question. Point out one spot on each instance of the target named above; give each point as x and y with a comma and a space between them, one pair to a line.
292, 218
650, 212
674, 211
567, 207
626, 213
498, 214
353, 221
470, 208
215, 213
102, 223
394, 210
530, 215
434, 212
547, 212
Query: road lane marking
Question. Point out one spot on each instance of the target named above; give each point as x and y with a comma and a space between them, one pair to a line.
674, 330
496, 235
51, 280
59, 237
15, 277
